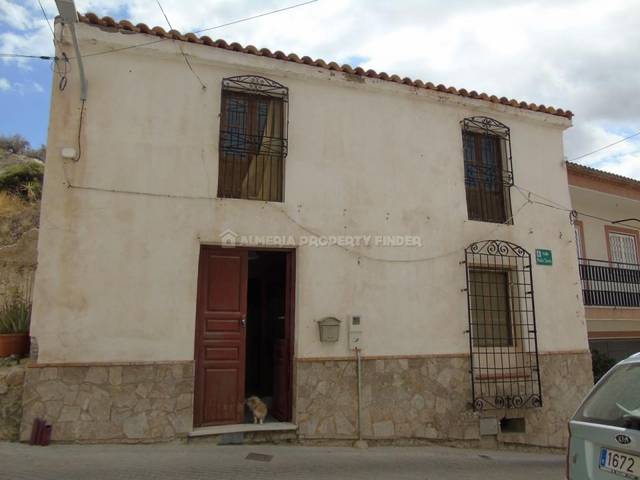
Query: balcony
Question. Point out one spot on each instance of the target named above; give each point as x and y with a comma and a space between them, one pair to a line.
609, 284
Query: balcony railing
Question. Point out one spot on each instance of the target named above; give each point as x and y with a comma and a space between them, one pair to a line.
610, 284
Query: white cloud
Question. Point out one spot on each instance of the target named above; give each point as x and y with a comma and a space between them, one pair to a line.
622, 158
26, 88
5, 85
627, 165
575, 54
14, 15
37, 41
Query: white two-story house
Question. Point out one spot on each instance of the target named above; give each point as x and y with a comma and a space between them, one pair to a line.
257, 229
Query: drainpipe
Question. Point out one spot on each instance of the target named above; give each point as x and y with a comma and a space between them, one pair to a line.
69, 16
360, 443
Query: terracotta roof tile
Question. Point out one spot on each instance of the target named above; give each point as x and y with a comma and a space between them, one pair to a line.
125, 25
594, 172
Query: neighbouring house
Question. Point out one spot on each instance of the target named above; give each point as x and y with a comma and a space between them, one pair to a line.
608, 247
256, 235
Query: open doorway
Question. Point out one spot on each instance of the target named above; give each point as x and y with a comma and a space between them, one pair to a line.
266, 313
244, 334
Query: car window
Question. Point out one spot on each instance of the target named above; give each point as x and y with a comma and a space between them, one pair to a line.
616, 397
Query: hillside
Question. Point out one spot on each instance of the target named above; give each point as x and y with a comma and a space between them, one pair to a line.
20, 191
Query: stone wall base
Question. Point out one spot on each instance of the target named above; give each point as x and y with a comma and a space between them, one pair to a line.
113, 403
428, 398
418, 400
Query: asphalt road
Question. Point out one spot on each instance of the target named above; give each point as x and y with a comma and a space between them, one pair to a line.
204, 461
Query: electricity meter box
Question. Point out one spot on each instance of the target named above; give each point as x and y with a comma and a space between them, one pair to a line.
355, 333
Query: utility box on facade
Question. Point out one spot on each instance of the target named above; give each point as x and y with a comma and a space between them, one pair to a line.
355, 333
489, 426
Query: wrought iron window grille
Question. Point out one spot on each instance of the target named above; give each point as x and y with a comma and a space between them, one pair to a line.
503, 344
253, 138
488, 169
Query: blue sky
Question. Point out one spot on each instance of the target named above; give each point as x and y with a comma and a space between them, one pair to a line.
580, 55
25, 105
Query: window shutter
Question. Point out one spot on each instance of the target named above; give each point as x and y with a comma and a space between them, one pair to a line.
623, 248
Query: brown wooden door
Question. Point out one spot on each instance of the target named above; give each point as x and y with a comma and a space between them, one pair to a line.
220, 336
283, 350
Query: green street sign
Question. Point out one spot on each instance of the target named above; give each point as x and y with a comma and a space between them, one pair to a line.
543, 257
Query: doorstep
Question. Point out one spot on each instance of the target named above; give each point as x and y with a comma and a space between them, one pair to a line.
243, 428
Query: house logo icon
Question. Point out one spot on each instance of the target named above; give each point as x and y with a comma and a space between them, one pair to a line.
229, 238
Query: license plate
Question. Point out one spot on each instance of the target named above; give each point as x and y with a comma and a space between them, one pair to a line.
619, 463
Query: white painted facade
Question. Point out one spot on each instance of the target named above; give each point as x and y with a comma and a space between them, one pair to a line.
118, 252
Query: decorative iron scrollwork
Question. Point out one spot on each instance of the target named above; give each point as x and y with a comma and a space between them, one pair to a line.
489, 126
253, 138
503, 345
497, 247
256, 85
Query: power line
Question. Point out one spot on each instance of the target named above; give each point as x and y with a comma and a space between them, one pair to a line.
44, 14
290, 7
19, 55
605, 147
234, 22
558, 206
184, 55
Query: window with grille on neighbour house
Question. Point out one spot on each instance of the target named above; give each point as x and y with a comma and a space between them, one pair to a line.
487, 169
623, 247
614, 282
253, 139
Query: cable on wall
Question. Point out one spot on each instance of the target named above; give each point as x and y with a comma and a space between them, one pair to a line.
184, 55
527, 195
557, 206
80, 130
308, 230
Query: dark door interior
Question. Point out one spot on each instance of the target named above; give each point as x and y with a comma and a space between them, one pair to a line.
267, 372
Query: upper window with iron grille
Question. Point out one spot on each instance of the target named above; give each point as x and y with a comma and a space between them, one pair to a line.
487, 169
253, 139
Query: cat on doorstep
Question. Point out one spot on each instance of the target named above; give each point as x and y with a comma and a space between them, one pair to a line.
258, 409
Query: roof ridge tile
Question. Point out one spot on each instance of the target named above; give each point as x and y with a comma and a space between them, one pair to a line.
126, 25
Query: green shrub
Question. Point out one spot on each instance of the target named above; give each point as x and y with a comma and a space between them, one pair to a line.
39, 153
601, 364
14, 143
23, 180
15, 315
19, 145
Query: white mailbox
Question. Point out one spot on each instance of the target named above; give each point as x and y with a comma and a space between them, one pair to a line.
329, 328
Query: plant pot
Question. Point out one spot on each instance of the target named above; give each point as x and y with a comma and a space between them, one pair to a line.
14, 344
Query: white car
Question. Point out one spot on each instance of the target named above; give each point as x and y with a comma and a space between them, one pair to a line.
604, 434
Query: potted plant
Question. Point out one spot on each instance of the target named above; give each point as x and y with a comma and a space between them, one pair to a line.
15, 317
